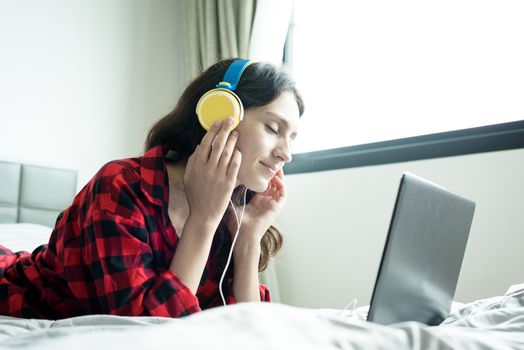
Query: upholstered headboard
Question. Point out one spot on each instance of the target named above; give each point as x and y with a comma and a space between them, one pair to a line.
34, 194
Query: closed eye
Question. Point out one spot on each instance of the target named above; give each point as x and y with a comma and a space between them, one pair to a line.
270, 129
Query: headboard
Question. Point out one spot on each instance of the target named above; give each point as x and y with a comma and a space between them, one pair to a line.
34, 194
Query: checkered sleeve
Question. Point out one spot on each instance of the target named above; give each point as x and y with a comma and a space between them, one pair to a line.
230, 296
264, 293
120, 260
117, 268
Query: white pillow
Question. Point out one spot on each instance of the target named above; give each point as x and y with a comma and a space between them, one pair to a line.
24, 237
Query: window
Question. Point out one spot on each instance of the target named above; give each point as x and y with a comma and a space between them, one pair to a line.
372, 71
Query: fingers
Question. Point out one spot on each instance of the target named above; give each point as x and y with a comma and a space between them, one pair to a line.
214, 141
207, 142
190, 162
228, 151
220, 141
234, 164
277, 183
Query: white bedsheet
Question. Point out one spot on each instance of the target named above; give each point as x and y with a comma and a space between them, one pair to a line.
495, 323
24, 237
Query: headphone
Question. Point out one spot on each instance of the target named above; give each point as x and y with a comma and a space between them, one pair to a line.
222, 102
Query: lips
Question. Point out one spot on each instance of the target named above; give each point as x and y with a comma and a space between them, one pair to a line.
270, 170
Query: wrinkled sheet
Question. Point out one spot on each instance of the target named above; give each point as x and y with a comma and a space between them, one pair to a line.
494, 323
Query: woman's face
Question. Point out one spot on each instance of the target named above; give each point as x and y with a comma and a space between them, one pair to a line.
265, 137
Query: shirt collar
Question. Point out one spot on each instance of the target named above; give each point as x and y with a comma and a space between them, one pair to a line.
154, 180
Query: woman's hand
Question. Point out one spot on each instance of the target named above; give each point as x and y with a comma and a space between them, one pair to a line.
209, 180
261, 211
259, 214
211, 173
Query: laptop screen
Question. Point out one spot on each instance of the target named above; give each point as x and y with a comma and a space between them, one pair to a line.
423, 254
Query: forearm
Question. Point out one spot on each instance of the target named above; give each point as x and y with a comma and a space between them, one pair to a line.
245, 281
192, 252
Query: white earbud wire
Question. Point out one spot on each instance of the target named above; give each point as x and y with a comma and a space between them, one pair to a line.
239, 221
352, 304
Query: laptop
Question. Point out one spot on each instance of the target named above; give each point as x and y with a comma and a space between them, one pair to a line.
423, 254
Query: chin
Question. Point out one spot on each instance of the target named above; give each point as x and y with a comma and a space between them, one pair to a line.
256, 185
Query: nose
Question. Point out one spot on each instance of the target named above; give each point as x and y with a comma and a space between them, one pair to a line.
283, 151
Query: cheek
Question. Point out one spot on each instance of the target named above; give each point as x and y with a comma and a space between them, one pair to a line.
250, 156
247, 154
250, 147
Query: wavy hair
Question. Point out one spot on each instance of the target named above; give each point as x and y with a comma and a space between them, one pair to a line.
180, 131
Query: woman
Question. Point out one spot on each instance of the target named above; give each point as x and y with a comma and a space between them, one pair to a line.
151, 235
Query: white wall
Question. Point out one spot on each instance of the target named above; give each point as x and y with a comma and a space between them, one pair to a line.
336, 224
81, 81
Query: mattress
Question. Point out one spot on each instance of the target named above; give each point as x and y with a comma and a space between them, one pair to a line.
492, 323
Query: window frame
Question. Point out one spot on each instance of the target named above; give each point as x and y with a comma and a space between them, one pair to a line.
490, 138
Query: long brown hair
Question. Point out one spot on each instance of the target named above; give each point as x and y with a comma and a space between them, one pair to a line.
180, 131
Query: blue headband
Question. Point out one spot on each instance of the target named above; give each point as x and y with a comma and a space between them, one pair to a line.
233, 74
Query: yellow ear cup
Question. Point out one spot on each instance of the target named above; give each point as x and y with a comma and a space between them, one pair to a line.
218, 104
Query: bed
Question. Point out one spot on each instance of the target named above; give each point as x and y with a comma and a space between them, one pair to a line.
493, 323
34, 194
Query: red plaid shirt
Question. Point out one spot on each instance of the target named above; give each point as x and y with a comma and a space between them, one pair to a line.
110, 253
